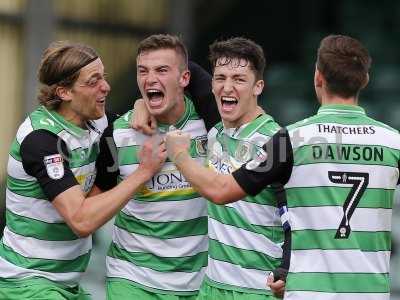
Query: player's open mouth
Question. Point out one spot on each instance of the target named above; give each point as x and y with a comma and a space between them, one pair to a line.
228, 103
155, 97
101, 100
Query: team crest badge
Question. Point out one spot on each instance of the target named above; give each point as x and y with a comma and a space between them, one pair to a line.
201, 145
259, 157
243, 151
54, 166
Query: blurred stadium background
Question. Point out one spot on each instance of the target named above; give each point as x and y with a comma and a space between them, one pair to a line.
289, 31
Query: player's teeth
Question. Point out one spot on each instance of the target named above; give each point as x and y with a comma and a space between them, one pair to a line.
228, 99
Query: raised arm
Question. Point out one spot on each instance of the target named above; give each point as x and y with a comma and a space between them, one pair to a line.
250, 179
203, 99
84, 214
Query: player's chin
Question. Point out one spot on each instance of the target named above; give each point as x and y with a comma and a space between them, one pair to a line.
98, 113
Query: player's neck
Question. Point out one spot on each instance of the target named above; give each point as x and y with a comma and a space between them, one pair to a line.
173, 115
71, 116
334, 99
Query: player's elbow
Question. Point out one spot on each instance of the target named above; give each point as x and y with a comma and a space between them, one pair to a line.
223, 191
81, 231
82, 228
218, 197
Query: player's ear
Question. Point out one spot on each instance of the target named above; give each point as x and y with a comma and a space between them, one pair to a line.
185, 78
318, 78
366, 81
64, 93
258, 87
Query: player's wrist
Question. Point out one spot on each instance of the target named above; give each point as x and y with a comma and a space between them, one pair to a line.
179, 155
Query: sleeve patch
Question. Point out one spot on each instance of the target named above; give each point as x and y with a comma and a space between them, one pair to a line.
54, 166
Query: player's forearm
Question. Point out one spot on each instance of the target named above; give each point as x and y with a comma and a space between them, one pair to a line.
97, 210
211, 185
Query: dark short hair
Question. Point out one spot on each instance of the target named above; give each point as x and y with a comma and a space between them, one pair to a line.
344, 63
60, 66
238, 48
164, 41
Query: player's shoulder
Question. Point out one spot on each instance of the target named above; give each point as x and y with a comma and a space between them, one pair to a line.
123, 122
265, 125
305, 122
382, 125
216, 129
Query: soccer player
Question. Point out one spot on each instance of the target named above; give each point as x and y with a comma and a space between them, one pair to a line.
246, 236
340, 192
50, 217
159, 247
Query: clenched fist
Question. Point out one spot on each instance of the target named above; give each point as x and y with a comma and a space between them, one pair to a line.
177, 142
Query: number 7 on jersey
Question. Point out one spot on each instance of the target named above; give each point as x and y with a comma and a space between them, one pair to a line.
358, 182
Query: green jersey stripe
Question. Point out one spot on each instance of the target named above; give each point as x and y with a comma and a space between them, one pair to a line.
14, 150
177, 247
250, 241
128, 155
150, 289
335, 196
338, 282
171, 282
325, 240
13, 272
83, 157
173, 196
38, 229
248, 259
247, 291
55, 266
25, 188
160, 264
229, 216
162, 230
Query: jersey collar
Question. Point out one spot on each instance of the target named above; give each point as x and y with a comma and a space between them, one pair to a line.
182, 120
244, 130
340, 109
67, 126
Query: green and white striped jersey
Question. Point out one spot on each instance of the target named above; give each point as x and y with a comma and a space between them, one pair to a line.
340, 196
160, 237
37, 242
245, 237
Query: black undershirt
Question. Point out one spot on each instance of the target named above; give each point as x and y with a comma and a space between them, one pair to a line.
275, 170
34, 148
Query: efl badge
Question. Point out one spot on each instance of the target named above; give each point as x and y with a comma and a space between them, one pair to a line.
259, 157
201, 145
54, 166
243, 152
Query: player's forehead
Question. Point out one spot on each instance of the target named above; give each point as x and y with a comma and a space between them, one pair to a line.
157, 58
232, 66
94, 68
